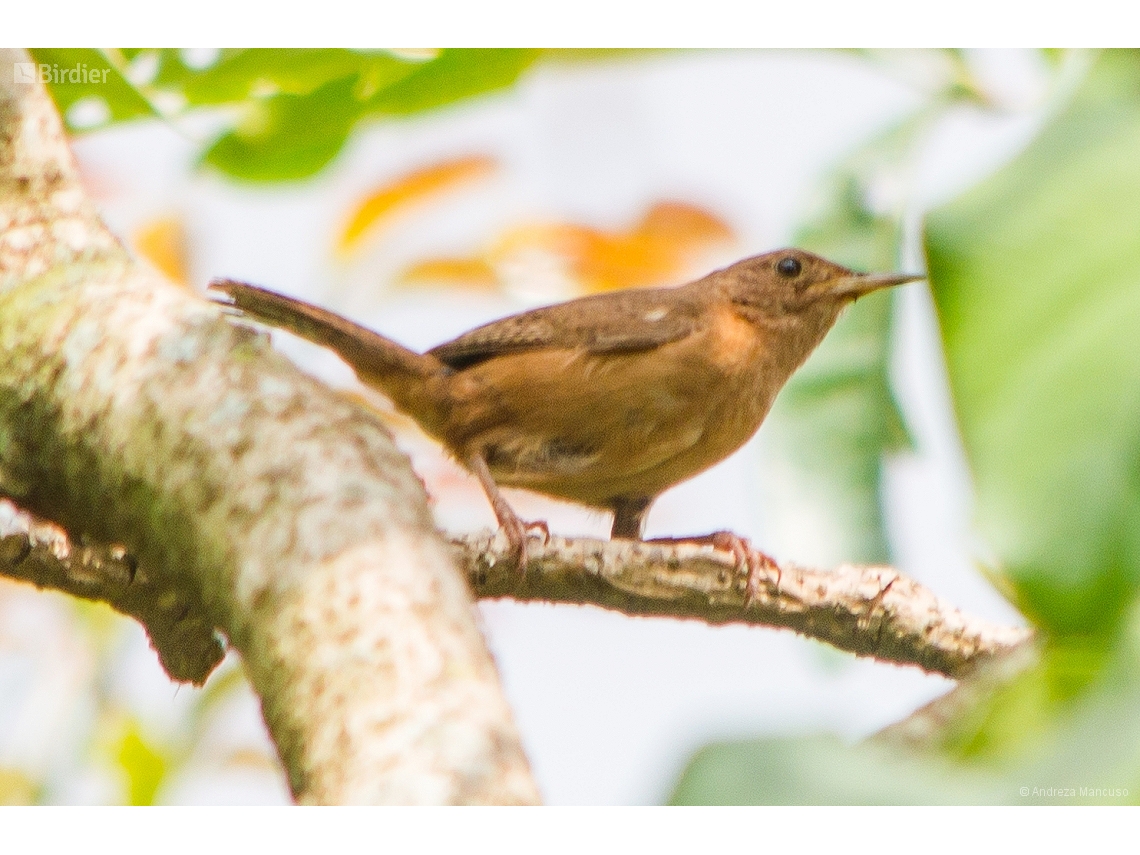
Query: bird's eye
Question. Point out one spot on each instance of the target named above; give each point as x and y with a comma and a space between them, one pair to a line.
788, 266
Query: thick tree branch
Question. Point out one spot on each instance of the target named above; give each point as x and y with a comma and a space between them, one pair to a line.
134, 413
870, 611
34, 550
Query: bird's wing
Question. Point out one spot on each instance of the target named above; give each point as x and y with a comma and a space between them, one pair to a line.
623, 321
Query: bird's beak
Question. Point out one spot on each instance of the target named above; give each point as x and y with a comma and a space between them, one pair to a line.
858, 284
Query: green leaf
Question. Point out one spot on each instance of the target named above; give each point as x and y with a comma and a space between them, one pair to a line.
452, 76
1037, 283
288, 137
299, 105
243, 74
81, 74
294, 134
172, 72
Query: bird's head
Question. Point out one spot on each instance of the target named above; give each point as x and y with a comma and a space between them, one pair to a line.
791, 287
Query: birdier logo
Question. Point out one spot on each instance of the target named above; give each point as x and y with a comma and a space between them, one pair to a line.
29, 72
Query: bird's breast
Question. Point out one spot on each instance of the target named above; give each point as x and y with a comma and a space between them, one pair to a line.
734, 346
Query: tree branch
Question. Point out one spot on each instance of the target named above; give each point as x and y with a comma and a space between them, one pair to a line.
134, 413
934, 724
869, 611
873, 611
37, 551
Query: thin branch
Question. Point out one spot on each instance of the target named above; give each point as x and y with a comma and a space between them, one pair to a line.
37, 551
872, 611
869, 611
934, 724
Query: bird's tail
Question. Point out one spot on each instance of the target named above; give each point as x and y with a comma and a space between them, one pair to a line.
412, 381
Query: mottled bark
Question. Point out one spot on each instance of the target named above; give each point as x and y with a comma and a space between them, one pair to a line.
133, 413
870, 611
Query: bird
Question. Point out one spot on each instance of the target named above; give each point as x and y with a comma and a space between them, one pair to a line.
605, 400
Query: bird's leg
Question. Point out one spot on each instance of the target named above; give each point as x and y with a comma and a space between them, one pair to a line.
629, 516
514, 528
756, 563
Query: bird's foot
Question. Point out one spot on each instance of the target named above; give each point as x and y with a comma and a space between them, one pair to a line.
514, 528
757, 564
517, 532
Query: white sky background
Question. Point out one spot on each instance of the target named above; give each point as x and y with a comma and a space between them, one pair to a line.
610, 707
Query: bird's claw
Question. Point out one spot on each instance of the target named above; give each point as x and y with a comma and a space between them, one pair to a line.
539, 527
517, 531
755, 563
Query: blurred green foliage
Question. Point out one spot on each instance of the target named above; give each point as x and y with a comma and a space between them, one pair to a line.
18, 787
294, 108
119, 95
145, 758
1036, 276
143, 763
837, 417
1037, 282
1062, 732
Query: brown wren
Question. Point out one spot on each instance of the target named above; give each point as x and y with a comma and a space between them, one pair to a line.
606, 400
